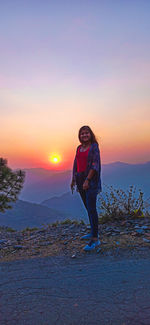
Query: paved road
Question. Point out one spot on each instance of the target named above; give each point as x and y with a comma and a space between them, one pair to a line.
89, 290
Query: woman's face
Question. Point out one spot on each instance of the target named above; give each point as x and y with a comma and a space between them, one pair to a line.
85, 136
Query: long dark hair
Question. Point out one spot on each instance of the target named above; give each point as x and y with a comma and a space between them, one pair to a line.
93, 137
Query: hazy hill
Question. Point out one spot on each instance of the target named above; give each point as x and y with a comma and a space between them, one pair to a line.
41, 184
51, 188
26, 214
118, 174
123, 175
67, 203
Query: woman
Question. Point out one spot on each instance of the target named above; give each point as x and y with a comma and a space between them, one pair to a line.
86, 175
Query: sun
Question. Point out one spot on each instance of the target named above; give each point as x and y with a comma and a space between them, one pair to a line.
55, 159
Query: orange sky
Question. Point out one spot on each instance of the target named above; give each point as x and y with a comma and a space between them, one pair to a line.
89, 65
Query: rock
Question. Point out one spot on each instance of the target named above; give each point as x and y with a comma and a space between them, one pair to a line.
134, 233
146, 240
41, 231
140, 231
123, 223
88, 227
109, 233
3, 241
18, 247
148, 234
45, 243
144, 227
129, 222
73, 256
116, 230
109, 229
72, 226
98, 250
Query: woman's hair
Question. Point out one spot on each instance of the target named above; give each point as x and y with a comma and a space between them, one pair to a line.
93, 137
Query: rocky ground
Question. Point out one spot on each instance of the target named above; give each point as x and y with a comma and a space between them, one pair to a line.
65, 239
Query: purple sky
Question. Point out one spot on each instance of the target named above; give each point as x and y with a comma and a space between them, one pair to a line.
69, 63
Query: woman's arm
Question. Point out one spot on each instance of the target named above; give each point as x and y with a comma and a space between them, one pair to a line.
73, 181
95, 166
96, 161
88, 178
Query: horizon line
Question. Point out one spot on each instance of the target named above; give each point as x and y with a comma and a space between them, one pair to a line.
103, 164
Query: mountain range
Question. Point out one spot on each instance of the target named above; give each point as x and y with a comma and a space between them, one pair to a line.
25, 214
42, 184
46, 195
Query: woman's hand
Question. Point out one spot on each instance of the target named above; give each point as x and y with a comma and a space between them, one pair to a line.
86, 185
72, 185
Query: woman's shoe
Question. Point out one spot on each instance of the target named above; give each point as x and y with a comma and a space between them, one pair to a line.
88, 236
92, 245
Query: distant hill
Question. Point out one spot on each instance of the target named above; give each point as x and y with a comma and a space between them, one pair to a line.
42, 184
123, 175
26, 214
68, 203
52, 189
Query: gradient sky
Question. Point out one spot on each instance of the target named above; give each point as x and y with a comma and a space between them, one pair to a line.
64, 64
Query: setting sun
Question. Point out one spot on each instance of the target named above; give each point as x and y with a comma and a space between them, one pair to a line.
55, 158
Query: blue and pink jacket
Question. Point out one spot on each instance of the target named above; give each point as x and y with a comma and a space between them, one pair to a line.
93, 162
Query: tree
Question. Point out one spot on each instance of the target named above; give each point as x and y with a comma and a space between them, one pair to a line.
11, 183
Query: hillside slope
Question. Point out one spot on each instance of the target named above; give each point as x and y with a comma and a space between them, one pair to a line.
26, 214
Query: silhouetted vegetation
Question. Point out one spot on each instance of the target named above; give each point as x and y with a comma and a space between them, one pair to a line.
116, 204
11, 183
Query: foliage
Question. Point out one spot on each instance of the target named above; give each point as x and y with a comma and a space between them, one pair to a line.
11, 183
9, 229
67, 222
119, 204
55, 224
29, 229
72, 222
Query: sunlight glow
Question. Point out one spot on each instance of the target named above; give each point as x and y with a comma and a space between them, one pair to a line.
55, 158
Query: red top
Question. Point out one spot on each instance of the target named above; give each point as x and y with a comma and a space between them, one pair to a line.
82, 159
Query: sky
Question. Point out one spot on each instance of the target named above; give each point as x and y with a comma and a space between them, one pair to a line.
65, 64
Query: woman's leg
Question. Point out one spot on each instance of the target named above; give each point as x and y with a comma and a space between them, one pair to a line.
91, 196
83, 197
89, 200
80, 181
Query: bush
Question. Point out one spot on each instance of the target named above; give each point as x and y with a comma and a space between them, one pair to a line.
11, 183
118, 204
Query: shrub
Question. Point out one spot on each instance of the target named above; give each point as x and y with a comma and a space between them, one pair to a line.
28, 229
119, 204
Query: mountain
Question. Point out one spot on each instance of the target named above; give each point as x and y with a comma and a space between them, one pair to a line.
26, 214
68, 203
123, 175
117, 174
51, 188
41, 184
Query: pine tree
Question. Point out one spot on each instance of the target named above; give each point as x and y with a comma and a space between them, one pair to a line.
11, 183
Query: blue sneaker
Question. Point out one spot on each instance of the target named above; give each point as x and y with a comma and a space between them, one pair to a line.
88, 236
92, 245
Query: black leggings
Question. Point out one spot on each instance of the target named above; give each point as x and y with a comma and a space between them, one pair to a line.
89, 197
